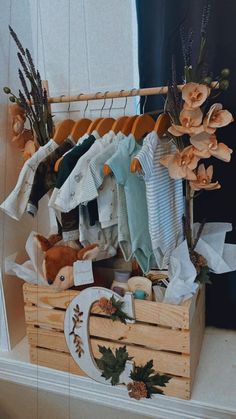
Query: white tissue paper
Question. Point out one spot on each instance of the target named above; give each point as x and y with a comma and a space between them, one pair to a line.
31, 270
181, 274
221, 258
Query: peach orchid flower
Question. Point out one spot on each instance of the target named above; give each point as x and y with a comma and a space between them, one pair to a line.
195, 94
206, 145
190, 120
18, 124
181, 164
216, 118
203, 181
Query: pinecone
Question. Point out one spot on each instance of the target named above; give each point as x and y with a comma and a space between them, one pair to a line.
106, 306
137, 390
197, 260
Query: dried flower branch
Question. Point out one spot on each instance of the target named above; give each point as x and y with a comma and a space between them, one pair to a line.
33, 98
193, 131
18, 43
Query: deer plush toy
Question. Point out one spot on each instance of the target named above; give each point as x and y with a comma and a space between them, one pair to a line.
59, 260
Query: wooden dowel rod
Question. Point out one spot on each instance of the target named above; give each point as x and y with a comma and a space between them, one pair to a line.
117, 94
111, 95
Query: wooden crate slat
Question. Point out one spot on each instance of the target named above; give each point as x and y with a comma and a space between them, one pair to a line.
162, 314
47, 296
165, 330
141, 334
56, 360
177, 386
145, 311
138, 333
163, 361
43, 316
197, 334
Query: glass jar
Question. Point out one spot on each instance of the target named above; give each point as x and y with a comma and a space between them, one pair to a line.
120, 282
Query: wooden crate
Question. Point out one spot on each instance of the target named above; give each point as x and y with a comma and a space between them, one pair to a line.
170, 335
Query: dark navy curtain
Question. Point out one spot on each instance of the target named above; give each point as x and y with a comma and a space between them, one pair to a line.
159, 24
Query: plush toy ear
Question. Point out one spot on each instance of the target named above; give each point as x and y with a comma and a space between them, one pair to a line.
45, 243
88, 253
54, 238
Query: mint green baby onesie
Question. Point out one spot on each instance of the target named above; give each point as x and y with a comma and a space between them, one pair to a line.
135, 194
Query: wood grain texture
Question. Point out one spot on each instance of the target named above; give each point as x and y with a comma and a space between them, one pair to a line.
163, 361
170, 335
197, 333
138, 333
146, 311
177, 386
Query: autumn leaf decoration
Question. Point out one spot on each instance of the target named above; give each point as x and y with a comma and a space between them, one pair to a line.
145, 381
113, 308
144, 378
112, 365
76, 324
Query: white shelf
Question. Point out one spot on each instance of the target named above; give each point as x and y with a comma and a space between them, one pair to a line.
213, 394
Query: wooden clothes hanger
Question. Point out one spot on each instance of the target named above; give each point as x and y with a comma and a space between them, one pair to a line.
119, 124
78, 130
104, 126
127, 127
63, 130
142, 125
161, 126
93, 125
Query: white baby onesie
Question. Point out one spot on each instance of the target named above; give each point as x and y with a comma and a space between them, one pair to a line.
16, 203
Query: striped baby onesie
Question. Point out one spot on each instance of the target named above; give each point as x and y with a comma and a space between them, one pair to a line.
164, 199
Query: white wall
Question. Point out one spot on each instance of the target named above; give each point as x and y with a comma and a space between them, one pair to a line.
103, 49
12, 234
78, 46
